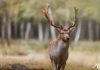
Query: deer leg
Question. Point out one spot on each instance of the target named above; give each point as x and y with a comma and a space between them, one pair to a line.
58, 66
55, 66
63, 66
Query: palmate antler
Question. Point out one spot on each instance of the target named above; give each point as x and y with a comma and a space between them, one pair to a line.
48, 14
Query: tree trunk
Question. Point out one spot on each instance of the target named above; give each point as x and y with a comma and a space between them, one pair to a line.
53, 33
90, 31
28, 28
46, 33
97, 31
3, 30
40, 32
77, 36
52, 29
22, 30
15, 29
8, 30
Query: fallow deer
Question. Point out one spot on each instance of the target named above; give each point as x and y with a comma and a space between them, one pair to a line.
58, 51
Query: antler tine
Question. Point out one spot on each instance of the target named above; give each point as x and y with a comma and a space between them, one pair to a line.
45, 13
75, 23
48, 14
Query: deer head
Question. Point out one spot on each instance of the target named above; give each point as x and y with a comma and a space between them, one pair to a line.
64, 34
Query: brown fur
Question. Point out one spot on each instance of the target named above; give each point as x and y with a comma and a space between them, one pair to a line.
59, 53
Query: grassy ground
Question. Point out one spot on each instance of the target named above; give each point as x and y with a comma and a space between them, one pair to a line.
34, 55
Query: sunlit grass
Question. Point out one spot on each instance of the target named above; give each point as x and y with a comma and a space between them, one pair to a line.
22, 47
92, 47
33, 54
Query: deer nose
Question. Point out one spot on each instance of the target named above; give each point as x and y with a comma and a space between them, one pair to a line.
68, 38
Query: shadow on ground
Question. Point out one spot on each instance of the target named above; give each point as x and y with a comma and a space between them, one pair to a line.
17, 67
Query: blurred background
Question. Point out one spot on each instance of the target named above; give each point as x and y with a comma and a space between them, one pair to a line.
25, 33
